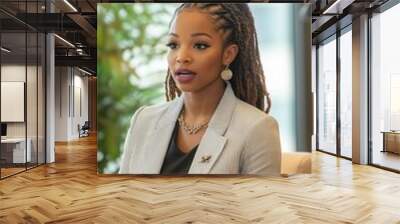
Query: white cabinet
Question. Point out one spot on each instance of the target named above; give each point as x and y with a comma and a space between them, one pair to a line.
18, 149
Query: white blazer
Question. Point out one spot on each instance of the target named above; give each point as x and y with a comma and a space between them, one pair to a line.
240, 139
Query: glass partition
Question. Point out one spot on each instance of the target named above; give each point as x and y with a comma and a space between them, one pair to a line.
14, 152
22, 89
31, 100
41, 157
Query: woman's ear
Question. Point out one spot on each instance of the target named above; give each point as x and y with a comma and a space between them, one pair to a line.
230, 54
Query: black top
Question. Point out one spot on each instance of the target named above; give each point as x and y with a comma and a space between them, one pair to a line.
175, 161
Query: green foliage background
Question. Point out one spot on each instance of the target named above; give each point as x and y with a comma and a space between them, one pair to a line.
131, 65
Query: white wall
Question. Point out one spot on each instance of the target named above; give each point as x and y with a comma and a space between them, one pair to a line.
61, 103
71, 94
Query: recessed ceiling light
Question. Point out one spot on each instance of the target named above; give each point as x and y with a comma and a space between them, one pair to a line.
5, 49
337, 7
84, 71
64, 40
70, 5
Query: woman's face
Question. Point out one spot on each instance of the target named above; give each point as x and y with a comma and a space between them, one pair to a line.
196, 57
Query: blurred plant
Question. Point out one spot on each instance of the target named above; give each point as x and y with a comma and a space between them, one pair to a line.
129, 42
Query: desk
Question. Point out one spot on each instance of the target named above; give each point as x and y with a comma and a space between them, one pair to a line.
15, 148
391, 141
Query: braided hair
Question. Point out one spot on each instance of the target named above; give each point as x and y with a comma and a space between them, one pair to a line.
237, 24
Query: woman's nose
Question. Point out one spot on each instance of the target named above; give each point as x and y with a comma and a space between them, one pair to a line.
183, 57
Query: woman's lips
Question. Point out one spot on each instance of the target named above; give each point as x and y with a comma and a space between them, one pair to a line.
184, 76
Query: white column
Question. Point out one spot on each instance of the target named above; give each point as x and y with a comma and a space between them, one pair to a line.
360, 90
50, 93
50, 100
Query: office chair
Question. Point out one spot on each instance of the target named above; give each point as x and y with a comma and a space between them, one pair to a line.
84, 130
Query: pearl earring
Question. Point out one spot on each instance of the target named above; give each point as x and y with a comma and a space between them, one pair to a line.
226, 74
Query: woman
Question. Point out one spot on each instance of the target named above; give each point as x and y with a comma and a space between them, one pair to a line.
215, 120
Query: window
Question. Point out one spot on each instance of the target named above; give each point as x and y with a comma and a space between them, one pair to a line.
327, 96
346, 94
385, 87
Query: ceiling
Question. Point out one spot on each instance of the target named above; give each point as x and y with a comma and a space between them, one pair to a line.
76, 25
75, 21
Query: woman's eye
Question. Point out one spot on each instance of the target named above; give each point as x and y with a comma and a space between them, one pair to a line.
201, 46
171, 45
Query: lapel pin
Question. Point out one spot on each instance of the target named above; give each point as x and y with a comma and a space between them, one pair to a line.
205, 159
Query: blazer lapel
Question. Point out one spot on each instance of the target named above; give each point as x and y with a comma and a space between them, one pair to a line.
152, 156
213, 141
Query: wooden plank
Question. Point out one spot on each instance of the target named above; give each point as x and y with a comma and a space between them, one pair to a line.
70, 191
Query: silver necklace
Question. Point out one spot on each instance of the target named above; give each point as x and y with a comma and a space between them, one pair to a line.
190, 129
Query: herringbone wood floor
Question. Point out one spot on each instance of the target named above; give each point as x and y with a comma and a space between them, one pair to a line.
70, 191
